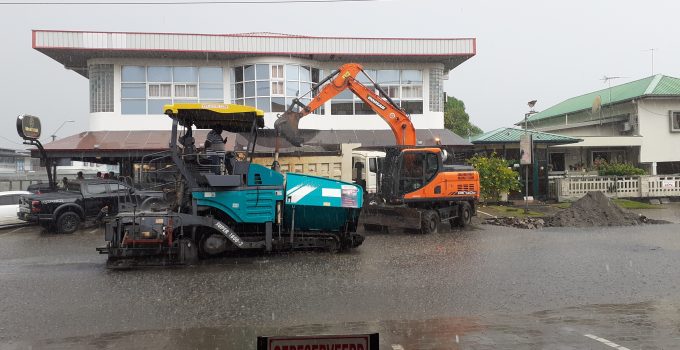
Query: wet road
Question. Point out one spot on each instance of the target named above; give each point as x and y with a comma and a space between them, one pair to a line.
486, 288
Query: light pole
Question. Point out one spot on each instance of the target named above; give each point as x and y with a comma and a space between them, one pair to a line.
528, 140
54, 134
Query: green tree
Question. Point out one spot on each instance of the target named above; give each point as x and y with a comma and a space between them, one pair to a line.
457, 120
495, 176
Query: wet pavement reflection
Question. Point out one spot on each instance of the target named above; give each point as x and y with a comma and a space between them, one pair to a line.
486, 288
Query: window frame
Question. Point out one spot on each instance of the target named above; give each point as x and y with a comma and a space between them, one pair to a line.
674, 115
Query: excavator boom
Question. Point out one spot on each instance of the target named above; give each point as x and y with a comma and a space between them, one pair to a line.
345, 78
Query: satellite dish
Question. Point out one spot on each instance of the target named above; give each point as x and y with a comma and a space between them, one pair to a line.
597, 104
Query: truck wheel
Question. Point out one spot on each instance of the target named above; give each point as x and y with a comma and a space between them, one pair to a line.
464, 216
429, 222
68, 222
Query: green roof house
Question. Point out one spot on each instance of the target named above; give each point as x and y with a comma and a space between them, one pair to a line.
636, 122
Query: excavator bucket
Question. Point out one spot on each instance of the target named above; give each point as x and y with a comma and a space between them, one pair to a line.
287, 127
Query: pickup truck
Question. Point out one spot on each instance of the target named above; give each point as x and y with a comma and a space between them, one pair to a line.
63, 211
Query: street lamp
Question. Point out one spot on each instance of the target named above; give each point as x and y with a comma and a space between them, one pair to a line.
54, 134
529, 143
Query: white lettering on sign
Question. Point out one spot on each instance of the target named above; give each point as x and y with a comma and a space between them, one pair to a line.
375, 102
214, 106
229, 234
209, 194
331, 192
320, 343
668, 183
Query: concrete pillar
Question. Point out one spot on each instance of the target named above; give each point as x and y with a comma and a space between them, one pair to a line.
653, 168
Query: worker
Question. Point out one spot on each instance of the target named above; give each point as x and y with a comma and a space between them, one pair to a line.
112, 175
214, 148
80, 176
106, 176
99, 174
64, 182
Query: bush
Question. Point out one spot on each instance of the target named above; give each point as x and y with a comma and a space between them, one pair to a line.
495, 176
618, 169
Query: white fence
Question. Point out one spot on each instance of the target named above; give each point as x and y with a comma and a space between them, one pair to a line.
646, 186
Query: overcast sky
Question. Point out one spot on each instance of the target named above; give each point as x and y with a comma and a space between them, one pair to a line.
543, 50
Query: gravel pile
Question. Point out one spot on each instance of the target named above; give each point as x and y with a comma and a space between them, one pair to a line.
526, 223
594, 209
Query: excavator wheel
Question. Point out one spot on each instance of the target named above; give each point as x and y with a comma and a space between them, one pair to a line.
429, 222
464, 216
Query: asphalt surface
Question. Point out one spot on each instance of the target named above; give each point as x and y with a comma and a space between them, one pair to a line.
483, 288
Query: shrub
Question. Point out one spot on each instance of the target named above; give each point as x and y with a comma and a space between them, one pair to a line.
495, 176
618, 169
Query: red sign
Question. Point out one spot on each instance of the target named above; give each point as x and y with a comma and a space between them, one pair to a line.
320, 342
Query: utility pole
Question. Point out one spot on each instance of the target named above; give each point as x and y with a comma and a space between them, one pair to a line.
528, 140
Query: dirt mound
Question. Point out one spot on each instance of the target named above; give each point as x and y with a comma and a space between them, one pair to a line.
594, 209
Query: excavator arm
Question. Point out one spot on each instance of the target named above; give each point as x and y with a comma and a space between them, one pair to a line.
341, 79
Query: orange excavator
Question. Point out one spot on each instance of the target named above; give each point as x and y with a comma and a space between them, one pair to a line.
415, 189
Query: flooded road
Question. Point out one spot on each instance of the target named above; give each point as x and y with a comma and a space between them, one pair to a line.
486, 288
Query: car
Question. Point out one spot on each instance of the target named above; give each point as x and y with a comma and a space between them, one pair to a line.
64, 210
9, 207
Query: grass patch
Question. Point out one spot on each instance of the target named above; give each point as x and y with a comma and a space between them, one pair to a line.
629, 204
513, 211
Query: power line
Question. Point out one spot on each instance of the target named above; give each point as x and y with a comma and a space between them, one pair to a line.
237, 2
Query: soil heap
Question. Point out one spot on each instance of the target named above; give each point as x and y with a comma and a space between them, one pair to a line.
594, 209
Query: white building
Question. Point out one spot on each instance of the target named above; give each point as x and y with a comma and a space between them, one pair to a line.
637, 122
132, 75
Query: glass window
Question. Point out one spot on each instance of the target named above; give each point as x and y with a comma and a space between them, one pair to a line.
675, 121
185, 74
411, 77
305, 87
249, 72
133, 74
412, 107
249, 102
212, 74
238, 74
292, 88
277, 71
159, 74
277, 88
216, 91
96, 188
362, 108
292, 72
278, 104
263, 103
160, 90
239, 90
263, 88
305, 73
155, 106
262, 71
412, 91
101, 87
249, 89
133, 90
342, 108
133, 106
361, 77
388, 76
186, 90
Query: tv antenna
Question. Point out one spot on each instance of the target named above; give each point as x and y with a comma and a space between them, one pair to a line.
651, 51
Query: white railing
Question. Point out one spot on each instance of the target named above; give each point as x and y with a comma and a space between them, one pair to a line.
572, 188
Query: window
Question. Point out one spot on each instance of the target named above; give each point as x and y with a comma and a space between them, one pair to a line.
436, 89
101, 87
272, 87
404, 87
9, 200
675, 121
144, 90
96, 188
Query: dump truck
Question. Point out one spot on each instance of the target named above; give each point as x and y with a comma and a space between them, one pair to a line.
240, 206
414, 188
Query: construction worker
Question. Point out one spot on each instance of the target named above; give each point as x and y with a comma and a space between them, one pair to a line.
214, 149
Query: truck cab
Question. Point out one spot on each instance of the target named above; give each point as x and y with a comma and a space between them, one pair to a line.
365, 169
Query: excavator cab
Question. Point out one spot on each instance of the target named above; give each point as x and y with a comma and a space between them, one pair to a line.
406, 170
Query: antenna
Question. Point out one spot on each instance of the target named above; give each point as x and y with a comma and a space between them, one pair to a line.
651, 51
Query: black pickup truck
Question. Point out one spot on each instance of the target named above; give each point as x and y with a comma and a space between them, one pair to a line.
63, 211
